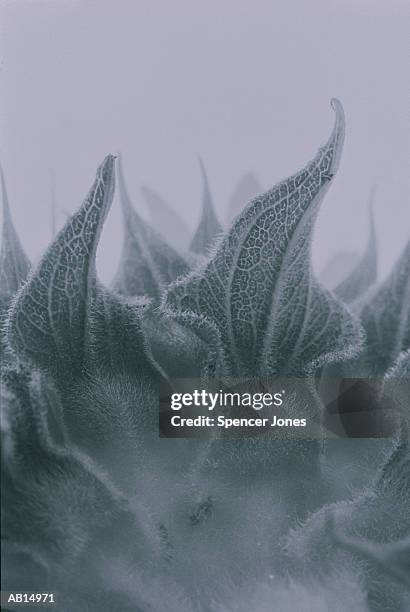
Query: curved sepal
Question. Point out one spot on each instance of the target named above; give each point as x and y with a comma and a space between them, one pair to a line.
48, 321
257, 294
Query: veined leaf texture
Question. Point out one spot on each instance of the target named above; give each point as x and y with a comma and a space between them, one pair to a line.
139, 523
258, 294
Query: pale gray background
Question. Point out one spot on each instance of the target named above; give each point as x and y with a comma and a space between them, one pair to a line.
246, 83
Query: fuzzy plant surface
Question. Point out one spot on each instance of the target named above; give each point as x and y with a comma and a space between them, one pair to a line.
100, 510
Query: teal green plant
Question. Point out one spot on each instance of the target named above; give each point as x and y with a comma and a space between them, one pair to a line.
100, 510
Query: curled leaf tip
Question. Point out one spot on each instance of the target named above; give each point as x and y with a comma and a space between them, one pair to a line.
106, 176
107, 165
104, 187
337, 106
336, 139
340, 114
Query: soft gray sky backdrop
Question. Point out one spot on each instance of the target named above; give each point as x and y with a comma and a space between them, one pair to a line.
246, 83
